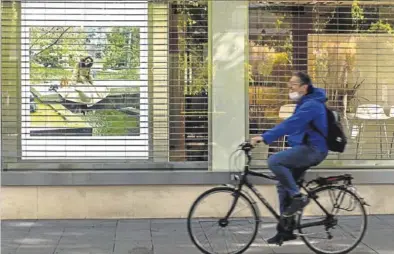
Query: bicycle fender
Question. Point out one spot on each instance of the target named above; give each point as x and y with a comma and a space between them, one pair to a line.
354, 190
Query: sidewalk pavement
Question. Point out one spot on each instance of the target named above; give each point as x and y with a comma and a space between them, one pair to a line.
153, 236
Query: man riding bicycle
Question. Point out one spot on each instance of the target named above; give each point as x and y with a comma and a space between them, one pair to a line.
308, 146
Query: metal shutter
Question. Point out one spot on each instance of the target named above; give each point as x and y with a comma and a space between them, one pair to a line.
134, 105
347, 48
188, 81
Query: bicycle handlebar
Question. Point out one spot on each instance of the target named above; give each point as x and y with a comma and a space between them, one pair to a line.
246, 146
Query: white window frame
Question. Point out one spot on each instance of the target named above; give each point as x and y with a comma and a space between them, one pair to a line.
109, 14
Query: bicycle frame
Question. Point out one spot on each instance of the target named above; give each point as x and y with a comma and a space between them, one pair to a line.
244, 181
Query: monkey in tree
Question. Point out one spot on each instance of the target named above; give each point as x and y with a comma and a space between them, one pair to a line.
82, 70
81, 73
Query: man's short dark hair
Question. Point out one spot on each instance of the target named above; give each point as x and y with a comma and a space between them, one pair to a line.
304, 78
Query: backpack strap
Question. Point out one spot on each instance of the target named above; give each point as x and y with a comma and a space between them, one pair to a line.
313, 127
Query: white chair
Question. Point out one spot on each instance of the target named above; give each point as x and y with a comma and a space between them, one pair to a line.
370, 112
285, 112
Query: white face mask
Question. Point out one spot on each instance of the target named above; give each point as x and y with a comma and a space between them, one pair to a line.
295, 96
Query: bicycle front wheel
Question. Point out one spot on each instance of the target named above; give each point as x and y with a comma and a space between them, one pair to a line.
340, 233
211, 232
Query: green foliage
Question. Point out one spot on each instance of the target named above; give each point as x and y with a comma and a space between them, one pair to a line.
192, 42
357, 14
266, 66
266, 59
250, 72
122, 48
39, 74
125, 74
111, 122
200, 77
380, 27
278, 23
57, 47
322, 17
195, 21
54, 52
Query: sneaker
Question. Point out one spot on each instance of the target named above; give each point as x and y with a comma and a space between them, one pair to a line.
281, 237
297, 204
282, 234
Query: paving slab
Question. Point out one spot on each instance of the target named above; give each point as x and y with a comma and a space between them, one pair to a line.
159, 236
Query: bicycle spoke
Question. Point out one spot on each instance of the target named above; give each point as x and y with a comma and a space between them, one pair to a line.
207, 238
237, 234
340, 200
233, 235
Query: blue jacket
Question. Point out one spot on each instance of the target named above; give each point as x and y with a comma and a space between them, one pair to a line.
310, 108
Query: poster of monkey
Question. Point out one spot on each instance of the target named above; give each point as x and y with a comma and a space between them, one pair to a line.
84, 81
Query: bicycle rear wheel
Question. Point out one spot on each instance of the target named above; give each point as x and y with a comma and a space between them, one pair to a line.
211, 233
344, 231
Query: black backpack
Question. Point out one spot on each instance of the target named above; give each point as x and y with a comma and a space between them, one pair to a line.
336, 138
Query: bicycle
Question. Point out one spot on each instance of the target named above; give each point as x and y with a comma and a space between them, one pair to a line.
341, 183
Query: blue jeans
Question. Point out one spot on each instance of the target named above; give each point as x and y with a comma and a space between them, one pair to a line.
289, 165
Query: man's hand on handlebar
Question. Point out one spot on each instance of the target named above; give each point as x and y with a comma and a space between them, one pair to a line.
256, 140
